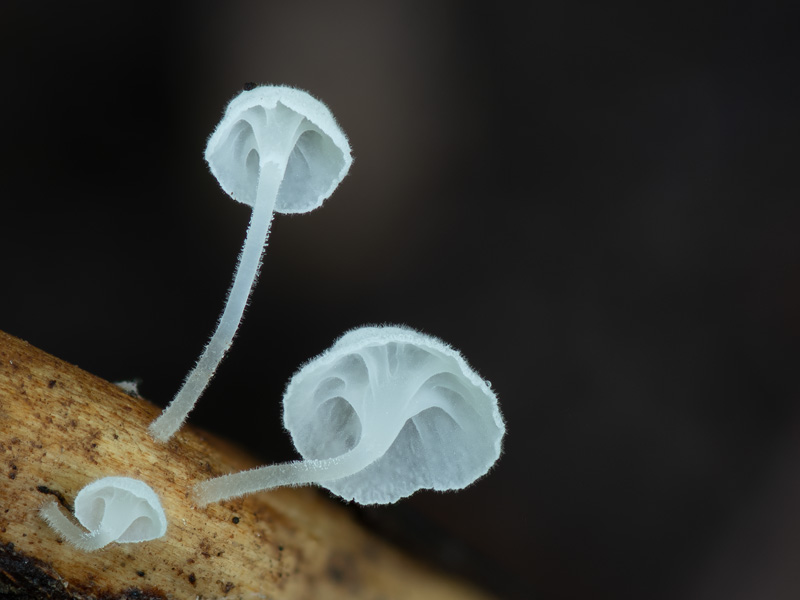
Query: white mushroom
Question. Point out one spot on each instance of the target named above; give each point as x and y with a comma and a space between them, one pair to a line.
384, 412
113, 509
276, 149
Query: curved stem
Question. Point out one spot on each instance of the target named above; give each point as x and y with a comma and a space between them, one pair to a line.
294, 473
83, 540
165, 426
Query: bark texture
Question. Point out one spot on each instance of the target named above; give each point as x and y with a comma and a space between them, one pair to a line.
61, 428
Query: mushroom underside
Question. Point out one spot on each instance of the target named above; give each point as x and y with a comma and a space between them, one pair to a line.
433, 449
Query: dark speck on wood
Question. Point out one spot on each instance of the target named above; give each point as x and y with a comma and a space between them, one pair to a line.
46, 490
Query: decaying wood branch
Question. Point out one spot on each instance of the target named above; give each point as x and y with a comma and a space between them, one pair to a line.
61, 428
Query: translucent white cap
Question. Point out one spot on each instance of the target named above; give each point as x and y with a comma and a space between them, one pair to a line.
113, 509
409, 399
287, 127
121, 503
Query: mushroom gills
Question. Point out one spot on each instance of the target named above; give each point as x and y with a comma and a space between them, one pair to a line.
112, 509
385, 412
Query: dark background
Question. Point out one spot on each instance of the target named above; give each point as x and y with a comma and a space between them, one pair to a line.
597, 204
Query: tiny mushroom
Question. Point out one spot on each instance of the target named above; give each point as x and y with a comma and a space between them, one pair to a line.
113, 509
384, 412
276, 149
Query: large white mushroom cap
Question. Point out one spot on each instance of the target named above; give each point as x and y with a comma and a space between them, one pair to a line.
384, 412
432, 421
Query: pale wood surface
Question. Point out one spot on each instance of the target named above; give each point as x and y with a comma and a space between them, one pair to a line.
61, 428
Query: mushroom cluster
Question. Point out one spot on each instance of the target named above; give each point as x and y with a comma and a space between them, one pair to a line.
384, 412
387, 410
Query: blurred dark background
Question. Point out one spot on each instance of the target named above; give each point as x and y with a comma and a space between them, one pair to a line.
597, 204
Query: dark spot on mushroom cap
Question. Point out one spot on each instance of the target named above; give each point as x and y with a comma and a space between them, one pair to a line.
235, 520
51, 384
140, 573
192, 578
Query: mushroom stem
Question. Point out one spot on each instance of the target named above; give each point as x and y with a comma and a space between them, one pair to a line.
300, 472
165, 426
83, 540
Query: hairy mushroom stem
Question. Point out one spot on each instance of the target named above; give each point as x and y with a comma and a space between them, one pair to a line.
255, 245
276, 149
299, 472
83, 540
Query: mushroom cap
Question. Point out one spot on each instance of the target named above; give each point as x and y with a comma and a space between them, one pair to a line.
393, 386
121, 502
286, 126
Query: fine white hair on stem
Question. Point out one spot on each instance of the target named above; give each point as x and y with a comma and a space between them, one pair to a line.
277, 149
81, 539
112, 509
384, 412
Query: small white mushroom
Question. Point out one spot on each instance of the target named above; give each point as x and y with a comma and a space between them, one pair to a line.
277, 149
384, 412
113, 509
